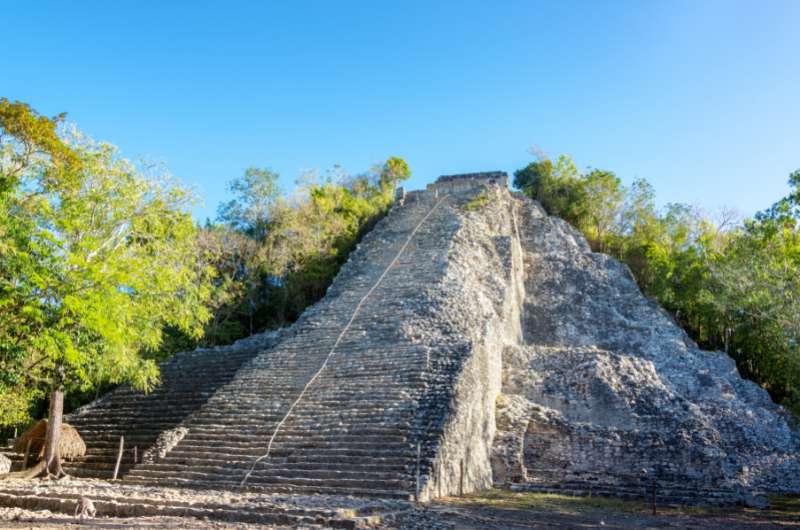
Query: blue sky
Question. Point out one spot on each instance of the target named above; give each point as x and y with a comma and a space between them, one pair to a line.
702, 98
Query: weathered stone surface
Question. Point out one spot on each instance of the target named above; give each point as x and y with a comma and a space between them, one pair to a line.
165, 442
187, 381
5, 464
468, 182
466, 322
236, 508
607, 392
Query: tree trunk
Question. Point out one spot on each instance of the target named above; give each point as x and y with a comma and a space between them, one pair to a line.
31, 472
52, 455
51, 465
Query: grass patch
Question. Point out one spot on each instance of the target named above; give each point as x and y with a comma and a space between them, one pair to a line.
551, 502
786, 504
786, 507
478, 202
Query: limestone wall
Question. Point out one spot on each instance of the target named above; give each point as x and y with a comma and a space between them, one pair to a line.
457, 184
478, 308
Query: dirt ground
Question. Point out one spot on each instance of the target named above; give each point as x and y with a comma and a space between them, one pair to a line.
506, 510
494, 510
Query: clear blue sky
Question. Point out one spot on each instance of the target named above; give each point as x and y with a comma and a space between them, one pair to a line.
702, 98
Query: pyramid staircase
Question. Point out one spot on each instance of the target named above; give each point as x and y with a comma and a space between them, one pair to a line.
188, 380
333, 399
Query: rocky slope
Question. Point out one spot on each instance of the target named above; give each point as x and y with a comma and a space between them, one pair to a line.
606, 393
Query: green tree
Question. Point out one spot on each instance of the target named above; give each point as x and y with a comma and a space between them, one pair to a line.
255, 195
592, 202
242, 268
393, 171
275, 255
557, 186
107, 267
531, 179
29, 143
757, 295
604, 199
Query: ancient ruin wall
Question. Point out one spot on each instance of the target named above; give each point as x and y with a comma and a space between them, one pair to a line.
477, 316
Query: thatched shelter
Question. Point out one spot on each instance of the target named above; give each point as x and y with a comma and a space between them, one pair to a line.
71, 444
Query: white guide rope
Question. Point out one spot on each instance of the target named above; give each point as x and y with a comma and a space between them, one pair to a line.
339, 339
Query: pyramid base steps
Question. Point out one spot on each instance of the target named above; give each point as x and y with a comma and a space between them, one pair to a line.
287, 486
118, 500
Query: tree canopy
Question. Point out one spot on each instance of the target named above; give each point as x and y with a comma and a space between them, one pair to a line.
274, 255
96, 262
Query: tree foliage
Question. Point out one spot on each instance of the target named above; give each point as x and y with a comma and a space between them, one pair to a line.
733, 286
96, 260
757, 297
255, 195
275, 255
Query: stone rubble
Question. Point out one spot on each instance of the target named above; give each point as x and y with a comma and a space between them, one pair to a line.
114, 499
165, 443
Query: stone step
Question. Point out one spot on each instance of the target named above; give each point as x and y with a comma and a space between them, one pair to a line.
121, 506
302, 419
353, 443
293, 428
307, 449
154, 415
132, 439
263, 468
308, 405
177, 463
294, 436
132, 404
82, 472
112, 430
235, 485
300, 459
282, 452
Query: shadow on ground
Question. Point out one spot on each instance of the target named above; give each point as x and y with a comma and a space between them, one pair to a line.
500, 509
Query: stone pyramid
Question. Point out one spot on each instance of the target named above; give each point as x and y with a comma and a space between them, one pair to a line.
470, 340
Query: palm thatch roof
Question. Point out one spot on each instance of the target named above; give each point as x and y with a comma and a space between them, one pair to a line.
70, 443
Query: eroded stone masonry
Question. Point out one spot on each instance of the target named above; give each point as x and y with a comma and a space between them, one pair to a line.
470, 340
